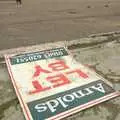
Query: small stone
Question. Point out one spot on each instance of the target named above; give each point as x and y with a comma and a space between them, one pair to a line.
106, 5
88, 6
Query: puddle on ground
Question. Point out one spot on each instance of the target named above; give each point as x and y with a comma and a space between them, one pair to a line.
103, 58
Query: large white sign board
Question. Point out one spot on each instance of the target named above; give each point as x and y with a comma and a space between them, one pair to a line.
51, 85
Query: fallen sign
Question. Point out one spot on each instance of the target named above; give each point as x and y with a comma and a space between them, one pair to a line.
51, 85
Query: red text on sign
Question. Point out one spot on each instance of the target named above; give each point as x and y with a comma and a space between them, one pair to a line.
55, 80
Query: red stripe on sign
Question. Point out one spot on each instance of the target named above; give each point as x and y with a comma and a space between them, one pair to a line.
90, 104
16, 89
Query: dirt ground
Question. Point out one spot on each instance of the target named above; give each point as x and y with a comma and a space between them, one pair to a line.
40, 21
43, 21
